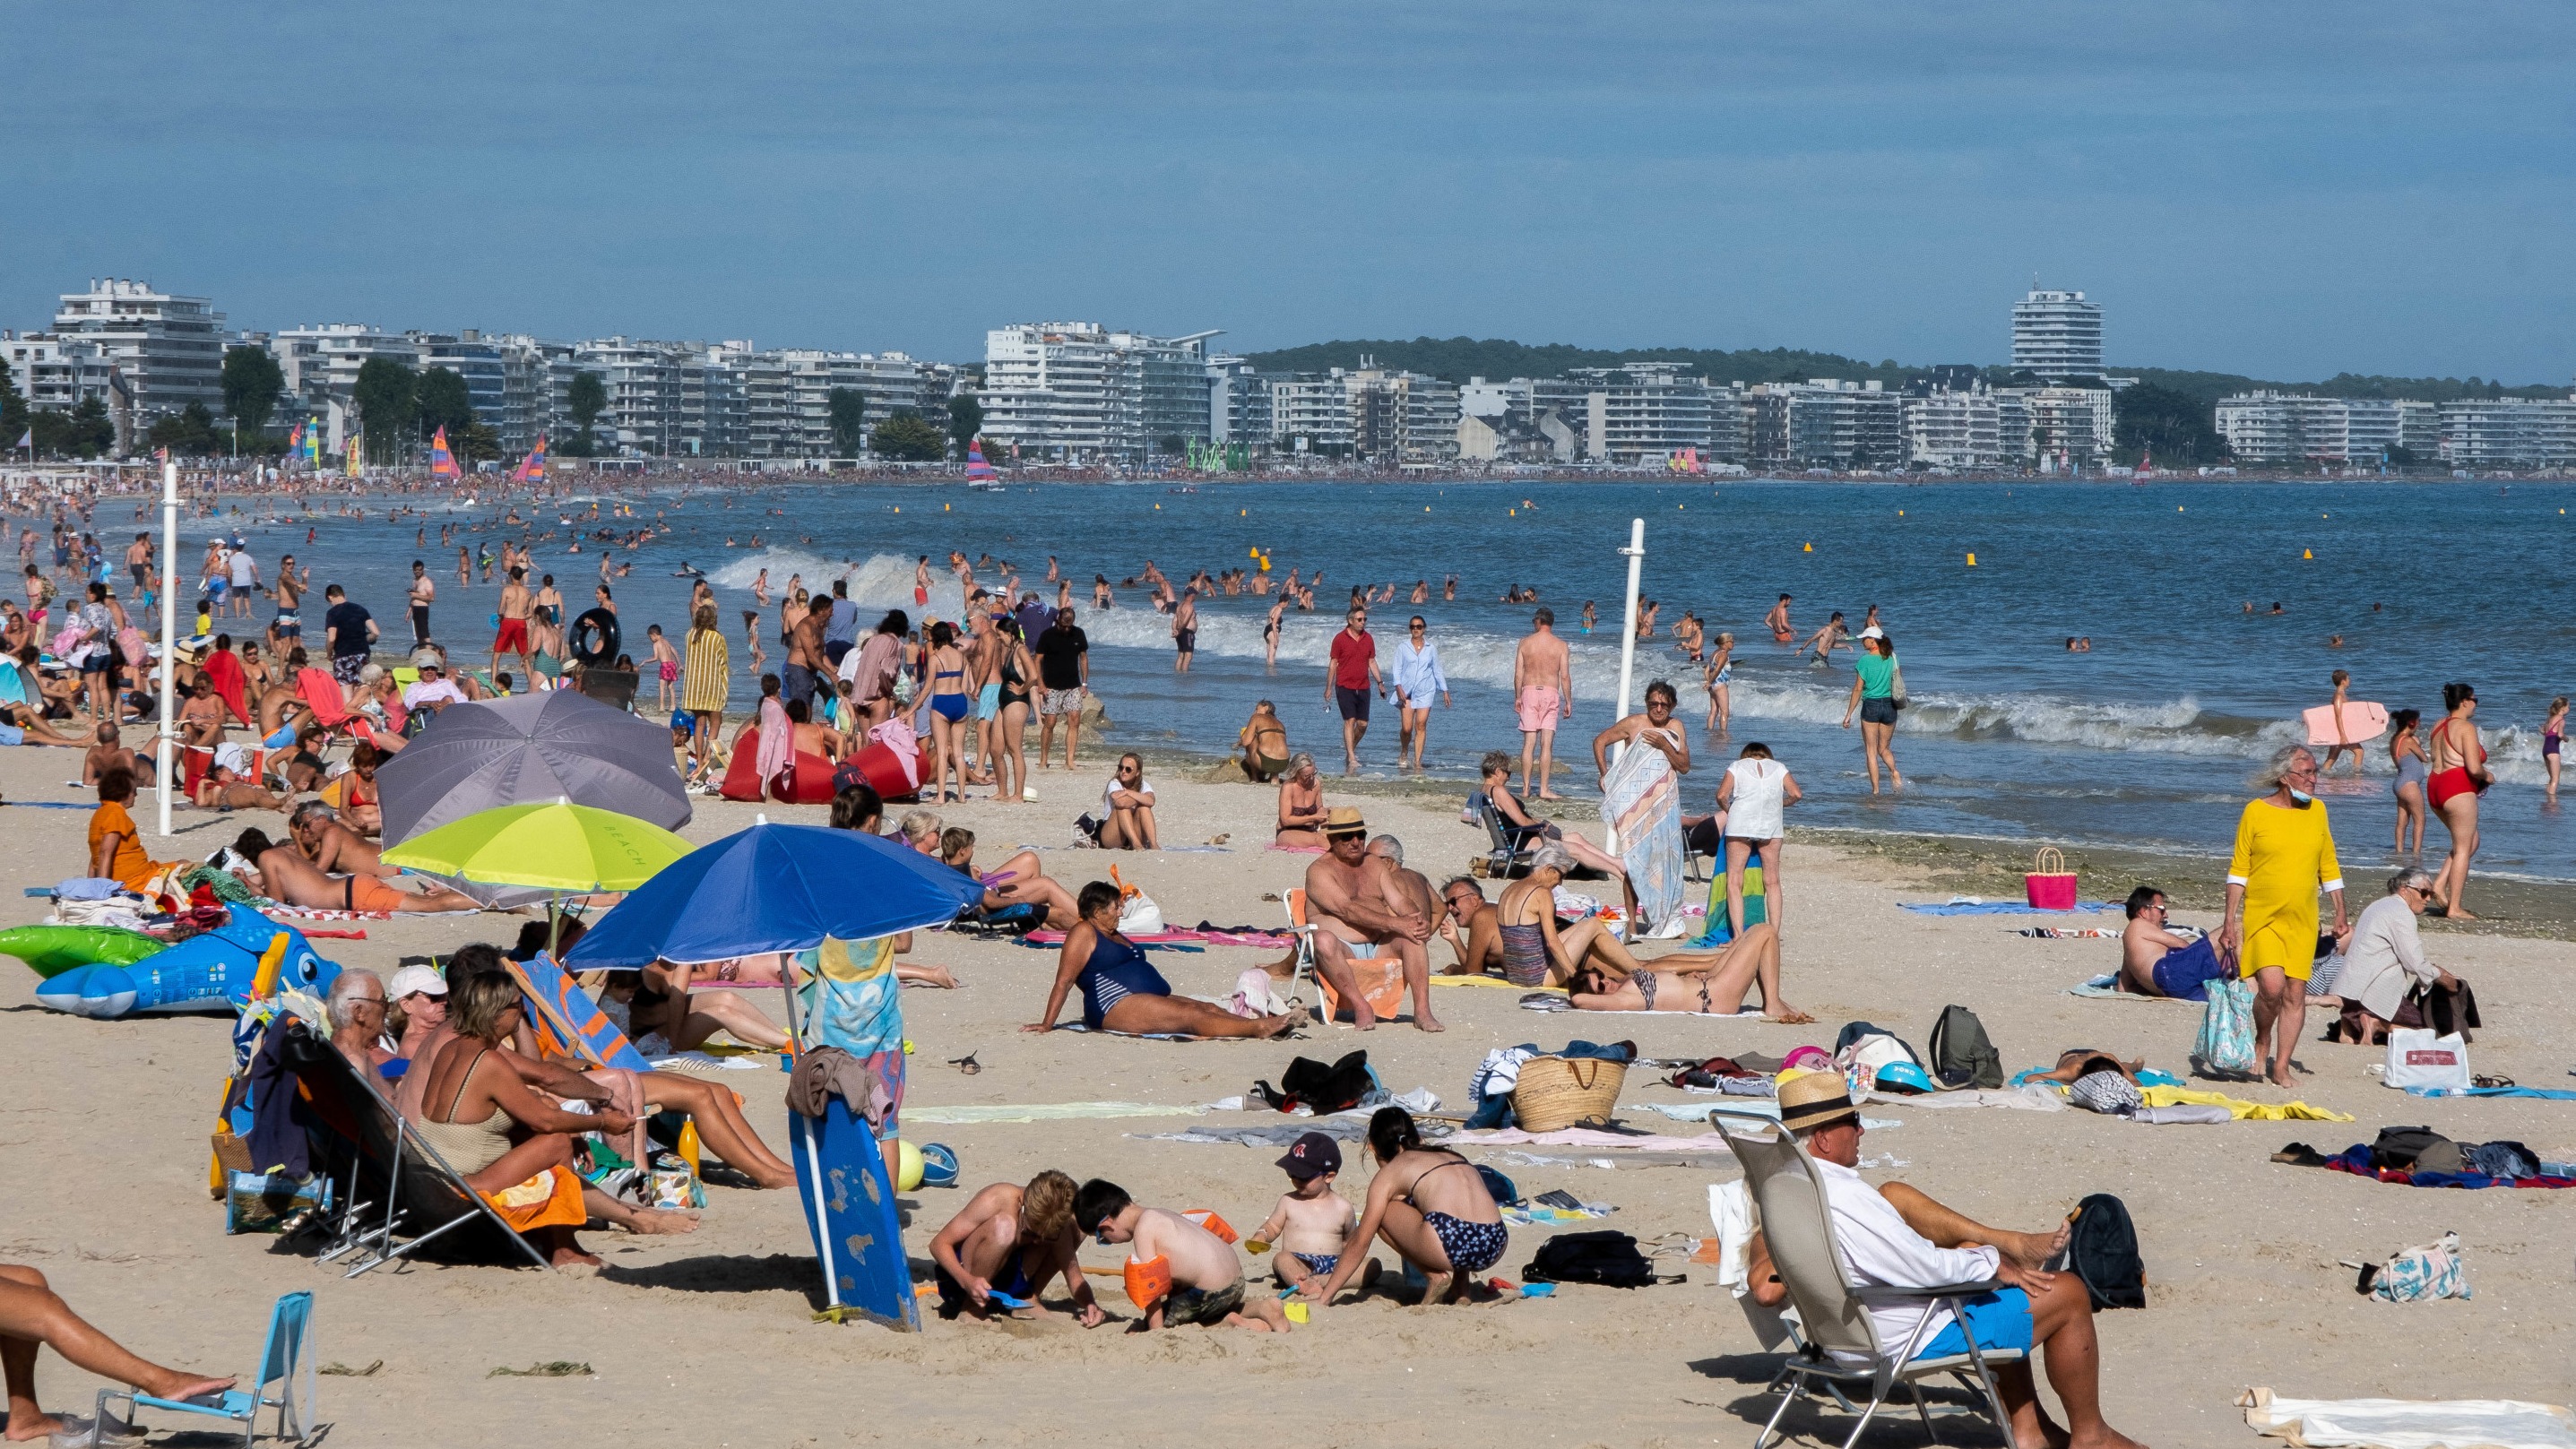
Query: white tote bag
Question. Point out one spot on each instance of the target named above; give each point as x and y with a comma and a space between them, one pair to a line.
2417, 1058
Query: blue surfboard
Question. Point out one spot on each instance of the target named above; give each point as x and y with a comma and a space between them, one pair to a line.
850, 1209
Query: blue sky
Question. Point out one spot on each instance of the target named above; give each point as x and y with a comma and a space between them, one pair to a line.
2287, 190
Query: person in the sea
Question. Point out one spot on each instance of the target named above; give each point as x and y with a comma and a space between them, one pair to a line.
2156, 961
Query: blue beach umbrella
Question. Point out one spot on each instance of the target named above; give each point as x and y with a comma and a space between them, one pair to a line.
774, 888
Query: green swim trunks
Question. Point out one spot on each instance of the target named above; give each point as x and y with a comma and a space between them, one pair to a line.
1197, 1305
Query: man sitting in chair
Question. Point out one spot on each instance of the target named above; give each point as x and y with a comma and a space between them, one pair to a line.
1896, 1237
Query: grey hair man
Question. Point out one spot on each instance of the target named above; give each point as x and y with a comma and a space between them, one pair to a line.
356, 1003
1405, 890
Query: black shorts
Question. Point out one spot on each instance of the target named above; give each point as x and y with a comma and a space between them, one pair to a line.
1878, 711
1185, 640
1354, 703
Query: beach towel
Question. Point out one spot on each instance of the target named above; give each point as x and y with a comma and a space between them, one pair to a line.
1047, 1112
777, 740
1181, 936
1967, 907
231, 683
2356, 1160
2070, 933
2547, 1093
2037, 1097
1641, 803
897, 735
2409, 1423
2106, 985
1586, 1137
1146, 1035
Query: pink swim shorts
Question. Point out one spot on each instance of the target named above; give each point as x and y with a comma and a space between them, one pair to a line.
1538, 707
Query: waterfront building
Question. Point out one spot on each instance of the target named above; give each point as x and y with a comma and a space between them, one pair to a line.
168, 350
2277, 427
1076, 390
2057, 334
55, 373
2509, 432
1955, 427
2065, 427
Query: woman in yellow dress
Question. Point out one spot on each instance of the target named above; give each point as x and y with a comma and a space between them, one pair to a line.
2284, 855
708, 679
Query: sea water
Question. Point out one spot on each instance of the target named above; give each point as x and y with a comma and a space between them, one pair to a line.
2146, 741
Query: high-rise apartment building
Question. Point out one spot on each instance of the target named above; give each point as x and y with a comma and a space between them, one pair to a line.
2509, 432
2057, 334
167, 349
1955, 428
1077, 390
1646, 412
2273, 427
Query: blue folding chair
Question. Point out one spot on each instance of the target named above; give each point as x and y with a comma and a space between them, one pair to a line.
286, 1361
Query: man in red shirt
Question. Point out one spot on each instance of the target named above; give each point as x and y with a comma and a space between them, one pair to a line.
1348, 683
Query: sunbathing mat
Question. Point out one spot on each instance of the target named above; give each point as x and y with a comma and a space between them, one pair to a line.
1998, 908
2104, 986
1184, 935
2408, 1423
1043, 1112
1342, 1128
1554, 998
1585, 1137
2552, 1094
2356, 1160
1494, 981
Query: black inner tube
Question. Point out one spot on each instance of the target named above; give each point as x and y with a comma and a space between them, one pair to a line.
603, 621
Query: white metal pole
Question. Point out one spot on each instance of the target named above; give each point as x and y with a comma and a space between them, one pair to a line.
169, 634
1636, 552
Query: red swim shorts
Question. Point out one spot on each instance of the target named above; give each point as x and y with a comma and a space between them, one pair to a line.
513, 638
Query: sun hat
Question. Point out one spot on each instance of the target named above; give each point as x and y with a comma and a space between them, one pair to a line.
1344, 820
415, 978
1817, 1099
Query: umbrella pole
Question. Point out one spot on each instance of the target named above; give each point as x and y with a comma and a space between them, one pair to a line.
554, 928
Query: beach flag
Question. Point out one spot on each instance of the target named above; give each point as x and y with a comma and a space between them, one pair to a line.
27, 440
532, 468
313, 443
442, 463
295, 439
976, 467
351, 467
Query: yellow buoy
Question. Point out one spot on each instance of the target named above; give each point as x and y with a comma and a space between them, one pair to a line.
1900, 513
1511, 513
1254, 553
2307, 553
1810, 548
1426, 508
1972, 560
1158, 508
944, 507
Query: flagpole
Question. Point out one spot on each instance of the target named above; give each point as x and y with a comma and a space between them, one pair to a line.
169, 632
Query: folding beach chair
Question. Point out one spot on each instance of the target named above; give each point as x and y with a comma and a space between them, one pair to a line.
1293, 901
1504, 860
1836, 1342
285, 1360
423, 1197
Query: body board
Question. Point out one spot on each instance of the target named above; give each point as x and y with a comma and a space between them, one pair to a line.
2363, 721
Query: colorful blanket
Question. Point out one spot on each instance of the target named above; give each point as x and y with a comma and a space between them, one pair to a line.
2356, 1160
1641, 803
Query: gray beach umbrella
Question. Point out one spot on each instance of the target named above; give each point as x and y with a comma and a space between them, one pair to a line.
530, 749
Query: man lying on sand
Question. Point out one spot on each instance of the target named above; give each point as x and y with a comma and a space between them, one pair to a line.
1713, 982
1004, 1246
2154, 961
1205, 1276
281, 873
1895, 1237
1348, 904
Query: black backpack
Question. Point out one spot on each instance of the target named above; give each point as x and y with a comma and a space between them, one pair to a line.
1607, 1258
2102, 1250
1962, 1054
1336, 1088
2397, 1148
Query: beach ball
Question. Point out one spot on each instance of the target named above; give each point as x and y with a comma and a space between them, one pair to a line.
938, 1165
907, 1172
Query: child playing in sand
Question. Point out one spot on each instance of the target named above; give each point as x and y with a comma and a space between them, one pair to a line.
1005, 1246
1205, 1276
1312, 1223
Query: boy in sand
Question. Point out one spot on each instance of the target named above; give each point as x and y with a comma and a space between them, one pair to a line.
1312, 1223
1206, 1277
1004, 1247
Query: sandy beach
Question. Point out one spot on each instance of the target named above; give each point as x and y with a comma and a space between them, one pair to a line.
706, 1339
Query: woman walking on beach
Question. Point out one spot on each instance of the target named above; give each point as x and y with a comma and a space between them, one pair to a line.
1873, 693
1721, 669
948, 711
1751, 796
708, 680
1417, 678
2460, 775
2406, 755
1009, 755
2284, 856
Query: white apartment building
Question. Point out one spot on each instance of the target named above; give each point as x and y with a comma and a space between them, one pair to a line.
1823, 422
2509, 432
2057, 334
2273, 427
1312, 414
55, 374
1648, 411
1954, 428
2067, 426
1239, 403
321, 362
168, 349
1076, 390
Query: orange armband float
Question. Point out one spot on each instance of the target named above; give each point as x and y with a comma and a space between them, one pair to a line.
1149, 1281
1207, 1218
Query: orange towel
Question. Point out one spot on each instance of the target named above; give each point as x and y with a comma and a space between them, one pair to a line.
551, 1199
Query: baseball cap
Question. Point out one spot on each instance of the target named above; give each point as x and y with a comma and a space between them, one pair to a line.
415, 978
1873, 632
1313, 1155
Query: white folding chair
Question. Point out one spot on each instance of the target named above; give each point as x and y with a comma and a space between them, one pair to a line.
1836, 1342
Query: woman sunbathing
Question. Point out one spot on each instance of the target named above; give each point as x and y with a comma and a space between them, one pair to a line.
1713, 982
1537, 951
1020, 881
1122, 992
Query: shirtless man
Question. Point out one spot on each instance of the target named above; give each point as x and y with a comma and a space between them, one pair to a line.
334, 848
1185, 629
805, 658
513, 636
811, 738
1543, 693
110, 753
424, 592
282, 873
1472, 928
1654, 728
1777, 621
2157, 961
1406, 891
1347, 904
1264, 743
1007, 1244
1835, 635
201, 719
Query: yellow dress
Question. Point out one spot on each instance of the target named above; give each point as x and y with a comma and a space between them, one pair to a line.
2283, 858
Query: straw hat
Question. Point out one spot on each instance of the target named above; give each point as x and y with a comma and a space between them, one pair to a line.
1816, 1099
1344, 820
